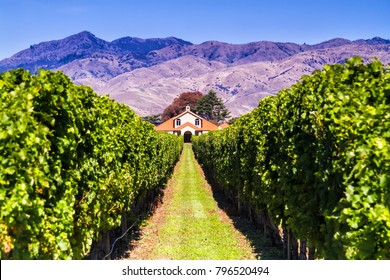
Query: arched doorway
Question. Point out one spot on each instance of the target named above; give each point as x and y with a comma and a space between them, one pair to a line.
187, 137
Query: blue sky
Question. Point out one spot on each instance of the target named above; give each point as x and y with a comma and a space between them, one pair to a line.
27, 22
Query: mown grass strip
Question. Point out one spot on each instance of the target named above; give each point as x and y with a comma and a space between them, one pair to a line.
193, 228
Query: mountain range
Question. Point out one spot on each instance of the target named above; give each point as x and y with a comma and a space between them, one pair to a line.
147, 74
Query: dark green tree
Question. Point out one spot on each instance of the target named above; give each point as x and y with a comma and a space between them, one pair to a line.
211, 107
153, 119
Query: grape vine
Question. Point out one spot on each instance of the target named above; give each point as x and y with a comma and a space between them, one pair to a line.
71, 164
316, 157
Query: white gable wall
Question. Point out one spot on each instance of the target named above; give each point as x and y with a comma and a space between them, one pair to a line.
187, 117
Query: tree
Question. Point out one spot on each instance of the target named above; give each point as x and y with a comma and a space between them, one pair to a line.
153, 119
211, 107
179, 104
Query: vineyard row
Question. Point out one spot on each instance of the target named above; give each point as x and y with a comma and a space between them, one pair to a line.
72, 163
315, 159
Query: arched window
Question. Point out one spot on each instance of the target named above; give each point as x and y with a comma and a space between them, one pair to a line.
178, 122
197, 122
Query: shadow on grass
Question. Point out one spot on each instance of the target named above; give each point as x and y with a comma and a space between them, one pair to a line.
262, 245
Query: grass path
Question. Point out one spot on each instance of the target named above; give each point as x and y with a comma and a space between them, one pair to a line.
189, 225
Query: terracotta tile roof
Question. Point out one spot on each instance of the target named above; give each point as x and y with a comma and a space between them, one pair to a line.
224, 125
167, 125
190, 112
206, 125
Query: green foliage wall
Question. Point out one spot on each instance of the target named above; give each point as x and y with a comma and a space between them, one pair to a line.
317, 158
71, 164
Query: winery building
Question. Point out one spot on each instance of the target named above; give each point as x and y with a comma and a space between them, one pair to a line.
187, 123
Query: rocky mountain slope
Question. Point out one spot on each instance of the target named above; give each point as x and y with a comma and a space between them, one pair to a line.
147, 74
